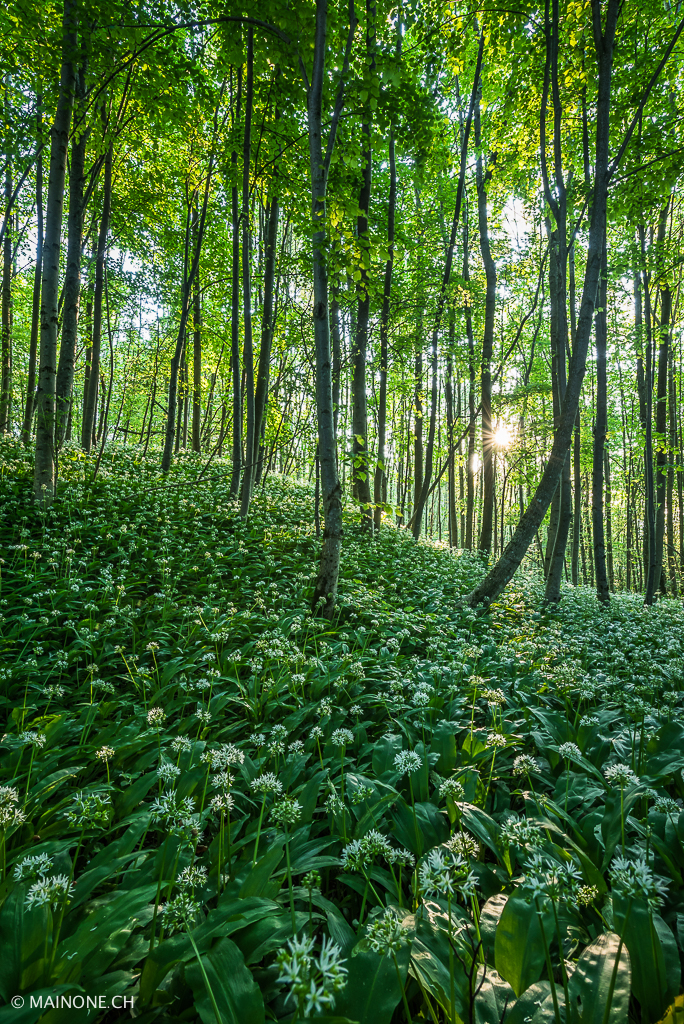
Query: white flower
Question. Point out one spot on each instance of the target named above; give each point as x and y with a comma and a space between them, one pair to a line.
523, 764
496, 740
89, 809
408, 762
341, 737
286, 811
266, 783
569, 751
620, 775
167, 772
53, 890
179, 913
32, 866
453, 788
444, 872
521, 832
155, 716
191, 877
463, 844
384, 934
222, 803
635, 879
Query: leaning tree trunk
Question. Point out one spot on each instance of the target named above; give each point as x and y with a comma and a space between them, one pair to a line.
44, 468
497, 578
98, 295
35, 307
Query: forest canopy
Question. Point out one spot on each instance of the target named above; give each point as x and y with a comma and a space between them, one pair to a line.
341, 377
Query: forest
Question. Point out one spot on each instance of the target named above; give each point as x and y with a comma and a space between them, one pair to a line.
341, 512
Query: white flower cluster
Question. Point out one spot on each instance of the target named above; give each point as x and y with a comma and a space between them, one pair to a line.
444, 872
359, 854
312, 980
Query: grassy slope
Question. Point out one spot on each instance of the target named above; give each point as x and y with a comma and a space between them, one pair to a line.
133, 594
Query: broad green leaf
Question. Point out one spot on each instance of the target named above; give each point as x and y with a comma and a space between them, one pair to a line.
235, 991
599, 984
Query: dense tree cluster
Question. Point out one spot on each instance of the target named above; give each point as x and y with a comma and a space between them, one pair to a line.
425, 253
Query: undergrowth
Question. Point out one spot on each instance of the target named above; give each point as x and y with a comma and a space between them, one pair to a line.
223, 808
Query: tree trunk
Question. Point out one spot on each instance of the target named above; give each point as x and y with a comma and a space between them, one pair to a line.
380, 481
577, 500
487, 520
661, 398
44, 468
361, 463
6, 319
98, 294
600, 429
267, 323
235, 317
72, 278
35, 308
650, 544
251, 438
331, 491
497, 578
196, 350
672, 428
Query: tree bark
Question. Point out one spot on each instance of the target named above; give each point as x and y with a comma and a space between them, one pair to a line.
331, 491
72, 278
35, 307
662, 458
251, 438
98, 294
600, 429
6, 316
380, 482
497, 578
487, 519
235, 315
44, 467
196, 350
267, 321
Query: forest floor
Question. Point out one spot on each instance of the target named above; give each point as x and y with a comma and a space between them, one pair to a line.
194, 768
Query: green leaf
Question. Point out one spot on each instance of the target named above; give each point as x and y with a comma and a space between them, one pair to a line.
596, 973
237, 995
372, 991
653, 955
518, 945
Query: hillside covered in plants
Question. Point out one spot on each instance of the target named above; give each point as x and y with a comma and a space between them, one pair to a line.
341, 512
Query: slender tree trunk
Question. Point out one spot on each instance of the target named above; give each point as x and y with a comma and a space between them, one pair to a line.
662, 458
196, 350
577, 500
44, 468
380, 481
331, 491
470, 461
6, 321
671, 460
651, 579
609, 519
487, 520
336, 354
361, 464
497, 578
72, 278
98, 294
35, 308
235, 316
251, 437
600, 429
267, 324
